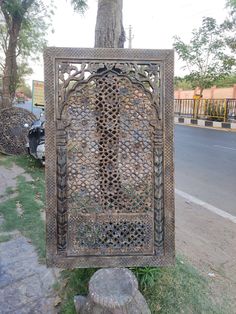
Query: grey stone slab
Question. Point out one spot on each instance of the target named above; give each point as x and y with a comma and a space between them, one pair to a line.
5, 278
47, 279
16, 250
41, 306
20, 269
25, 285
21, 293
45, 305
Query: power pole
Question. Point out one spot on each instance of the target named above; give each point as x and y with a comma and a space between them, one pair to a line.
130, 38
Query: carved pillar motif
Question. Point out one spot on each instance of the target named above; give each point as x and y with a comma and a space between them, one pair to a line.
62, 220
158, 196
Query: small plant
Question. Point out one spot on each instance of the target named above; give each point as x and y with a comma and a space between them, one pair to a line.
146, 276
215, 112
73, 282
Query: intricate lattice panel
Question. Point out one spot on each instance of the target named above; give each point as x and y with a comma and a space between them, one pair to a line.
105, 236
13, 134
111, 160
110, 148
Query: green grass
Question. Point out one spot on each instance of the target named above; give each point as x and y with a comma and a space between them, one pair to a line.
168, 290
73, 282
30, 197
6, 161
9, 190
5, 238
179, 289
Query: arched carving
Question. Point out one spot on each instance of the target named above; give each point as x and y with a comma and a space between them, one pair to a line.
110, 159
110, 141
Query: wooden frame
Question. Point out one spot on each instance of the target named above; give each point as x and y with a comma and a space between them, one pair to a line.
129, 63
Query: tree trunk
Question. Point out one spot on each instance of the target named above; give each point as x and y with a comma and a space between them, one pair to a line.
109, 32
201, 91
10, 69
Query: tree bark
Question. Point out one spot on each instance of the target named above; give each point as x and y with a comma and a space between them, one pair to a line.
201, 91
109, 31
10, 68
13, 21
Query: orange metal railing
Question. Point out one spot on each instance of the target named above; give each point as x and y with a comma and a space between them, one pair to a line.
208, 109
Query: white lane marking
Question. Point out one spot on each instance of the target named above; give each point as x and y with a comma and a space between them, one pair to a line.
207, 206
224, 147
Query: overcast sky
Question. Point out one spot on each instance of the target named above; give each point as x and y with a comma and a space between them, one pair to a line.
154, 24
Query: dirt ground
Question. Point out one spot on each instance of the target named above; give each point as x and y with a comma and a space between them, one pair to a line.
208, 241
8, 178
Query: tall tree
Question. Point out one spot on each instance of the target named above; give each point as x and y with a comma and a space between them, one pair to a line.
109, 31
23, 29
205, 57
229, 25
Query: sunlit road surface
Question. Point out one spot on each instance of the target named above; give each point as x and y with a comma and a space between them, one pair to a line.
205, 166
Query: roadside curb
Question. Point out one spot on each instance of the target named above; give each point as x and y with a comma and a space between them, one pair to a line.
206, 123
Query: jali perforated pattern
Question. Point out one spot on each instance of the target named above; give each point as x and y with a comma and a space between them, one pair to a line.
110, 118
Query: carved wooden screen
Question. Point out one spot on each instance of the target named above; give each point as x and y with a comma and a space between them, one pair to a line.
109, 167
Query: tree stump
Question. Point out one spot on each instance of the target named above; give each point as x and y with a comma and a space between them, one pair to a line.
112, 291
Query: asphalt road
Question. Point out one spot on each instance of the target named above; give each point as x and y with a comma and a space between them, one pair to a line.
205, 165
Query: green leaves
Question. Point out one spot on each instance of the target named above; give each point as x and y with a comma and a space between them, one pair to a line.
182, 83
23, 34
205, 55
79, 5
229, 25
231, 4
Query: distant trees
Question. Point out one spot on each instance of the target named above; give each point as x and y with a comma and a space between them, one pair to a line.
24, 25
182, 83
205, 55
25, 89
229, 25
227, 81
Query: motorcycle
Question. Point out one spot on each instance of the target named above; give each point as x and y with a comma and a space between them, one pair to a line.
36, 139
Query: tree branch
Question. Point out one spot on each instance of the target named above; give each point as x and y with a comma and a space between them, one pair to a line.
2, 66
6, 15
208, 55
18, 53
4, 41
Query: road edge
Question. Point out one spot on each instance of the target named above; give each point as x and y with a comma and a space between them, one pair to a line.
206, 124
211, 208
